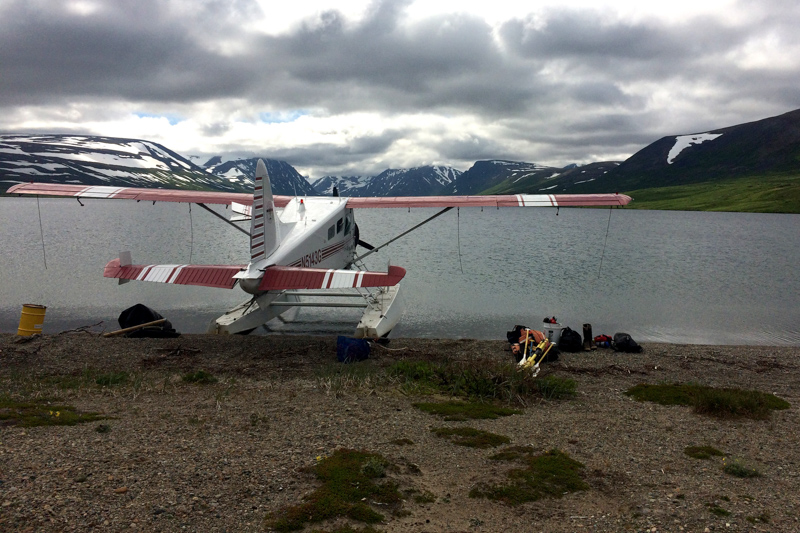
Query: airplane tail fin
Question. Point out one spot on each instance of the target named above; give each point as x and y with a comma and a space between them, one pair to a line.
264, 228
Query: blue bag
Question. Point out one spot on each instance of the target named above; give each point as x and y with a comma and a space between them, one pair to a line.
349, 350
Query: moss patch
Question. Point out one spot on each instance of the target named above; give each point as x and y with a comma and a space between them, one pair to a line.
347, 529
548, 475
718, 402
470, 437
480, 380
702, 452
737, 469
512, 453
30, 414
114, 378
718, 511
460, 411
200, 376
763, 517
348, 486
425, 497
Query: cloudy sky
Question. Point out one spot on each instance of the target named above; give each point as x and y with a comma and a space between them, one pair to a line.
396, 83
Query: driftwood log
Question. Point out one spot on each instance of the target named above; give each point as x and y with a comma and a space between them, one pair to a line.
134, 328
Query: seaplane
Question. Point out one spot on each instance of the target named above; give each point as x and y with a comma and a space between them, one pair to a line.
303, 249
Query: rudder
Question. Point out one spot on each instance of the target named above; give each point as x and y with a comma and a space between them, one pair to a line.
264, 229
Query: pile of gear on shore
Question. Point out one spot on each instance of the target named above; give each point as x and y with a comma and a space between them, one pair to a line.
532, 347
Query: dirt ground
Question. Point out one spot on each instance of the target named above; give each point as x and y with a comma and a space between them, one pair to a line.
178, 456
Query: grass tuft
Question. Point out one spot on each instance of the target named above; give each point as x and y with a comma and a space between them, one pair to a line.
425, 497
555, 388
737, 469
115, 378
478, 381
718, 402
335, 378
470, 437
200, 376
719, 511
348, 487
549, 475
763, 517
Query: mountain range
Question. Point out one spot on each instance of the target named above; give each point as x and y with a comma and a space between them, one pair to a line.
764, 151
94, 160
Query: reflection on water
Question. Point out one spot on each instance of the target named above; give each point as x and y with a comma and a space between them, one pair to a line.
719, 278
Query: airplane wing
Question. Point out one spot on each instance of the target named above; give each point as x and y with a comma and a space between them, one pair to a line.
134, 193
503, 200
228, 198
282, 277
221, 276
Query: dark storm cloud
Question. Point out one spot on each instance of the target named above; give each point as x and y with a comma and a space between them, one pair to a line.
144, 51
587, 35
332, 155
565, 81
473, 147
147, 51
441, 62
137, 50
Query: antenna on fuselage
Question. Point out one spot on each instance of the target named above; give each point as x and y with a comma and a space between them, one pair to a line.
335, 191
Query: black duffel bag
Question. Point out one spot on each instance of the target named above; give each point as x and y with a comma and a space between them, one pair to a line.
624, 343
570, 341
141, 314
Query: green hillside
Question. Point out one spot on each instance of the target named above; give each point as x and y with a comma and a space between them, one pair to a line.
776, 193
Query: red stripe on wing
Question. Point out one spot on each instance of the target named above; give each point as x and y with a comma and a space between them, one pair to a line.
134, 193
284, 277
504, 200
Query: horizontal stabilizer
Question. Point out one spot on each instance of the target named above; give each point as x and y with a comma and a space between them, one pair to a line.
221, 276
281, 277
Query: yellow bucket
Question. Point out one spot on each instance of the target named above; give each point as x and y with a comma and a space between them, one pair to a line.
30, 322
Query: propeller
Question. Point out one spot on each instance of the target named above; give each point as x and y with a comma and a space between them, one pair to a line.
361, 243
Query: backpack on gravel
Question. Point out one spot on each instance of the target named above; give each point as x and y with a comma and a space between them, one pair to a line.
570, 341
624, 343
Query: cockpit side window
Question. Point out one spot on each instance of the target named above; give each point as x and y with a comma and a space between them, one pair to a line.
347, 225
339, 225
331, 232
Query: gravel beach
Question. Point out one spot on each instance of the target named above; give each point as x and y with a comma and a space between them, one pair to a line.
170, 455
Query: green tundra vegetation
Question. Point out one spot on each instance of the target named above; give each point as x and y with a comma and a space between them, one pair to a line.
775, 193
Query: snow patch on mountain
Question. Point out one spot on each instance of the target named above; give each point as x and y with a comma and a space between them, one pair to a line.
96, 160
683, 142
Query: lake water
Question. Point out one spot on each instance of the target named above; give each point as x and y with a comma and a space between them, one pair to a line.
662, 276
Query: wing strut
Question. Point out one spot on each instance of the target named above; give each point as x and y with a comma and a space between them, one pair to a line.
387, 243
222, 218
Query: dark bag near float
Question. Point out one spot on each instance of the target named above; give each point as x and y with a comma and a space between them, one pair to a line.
141, 314
349, 350
570, 341
515, 334
624, 343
